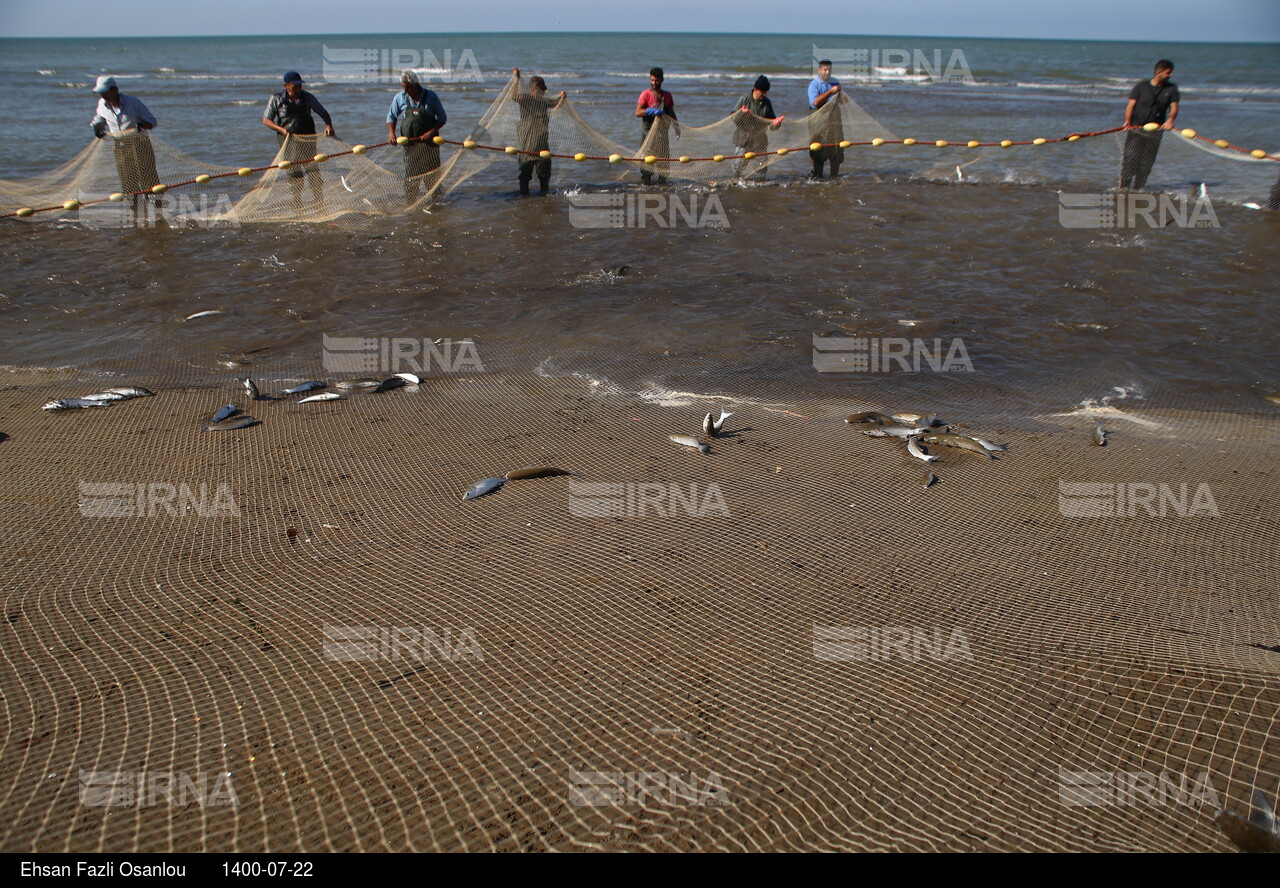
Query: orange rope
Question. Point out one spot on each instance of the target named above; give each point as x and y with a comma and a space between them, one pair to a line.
1069, 138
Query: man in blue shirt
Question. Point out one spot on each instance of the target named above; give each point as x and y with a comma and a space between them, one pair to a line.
825, 125
127, 120
420, 116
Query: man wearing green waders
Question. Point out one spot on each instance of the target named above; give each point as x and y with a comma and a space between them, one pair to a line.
289, 114
420, 116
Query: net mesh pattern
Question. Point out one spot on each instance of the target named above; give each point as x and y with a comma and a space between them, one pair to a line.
385, 181
686, 657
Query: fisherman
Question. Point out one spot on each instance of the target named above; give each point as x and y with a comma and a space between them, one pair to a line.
532, 132
289, 114
655, 104
127, 120
419, 114
1150, 101
753, 118
826, 127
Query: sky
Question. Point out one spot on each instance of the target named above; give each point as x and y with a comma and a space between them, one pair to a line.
1198, 21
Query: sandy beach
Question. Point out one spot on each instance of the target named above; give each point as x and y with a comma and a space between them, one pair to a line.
513, 649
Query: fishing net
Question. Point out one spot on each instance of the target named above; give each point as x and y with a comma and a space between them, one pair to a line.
316, 178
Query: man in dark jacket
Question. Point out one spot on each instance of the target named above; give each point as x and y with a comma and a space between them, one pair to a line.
753, 117
1150, 101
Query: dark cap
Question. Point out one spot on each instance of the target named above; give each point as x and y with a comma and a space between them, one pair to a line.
762, 83
292, 77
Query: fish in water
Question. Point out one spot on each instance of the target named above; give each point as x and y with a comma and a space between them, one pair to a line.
483, 486
690, 441
305, 387
254, 394
892, 431
1259, 833
203, 314
391, 382
536, 472
367, 382
959, 441
712, 427
913, 447
929, 478
870, 417
71, 403
224, 411
1099, 434
228, 425
323, 396
998, 448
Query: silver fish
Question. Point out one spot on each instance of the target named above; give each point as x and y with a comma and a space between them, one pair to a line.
70, 403
203, 314
481, 487
131, 391
920, 420
709, 426
391, 382
228, 425
892, 432
929, 478
367, 382
410, 378
959, 441
252, 389
913, 447
305, 387
690, 441
718, 426
1099, 434
224, 411
871, 417
998, 448
323, 396
104, 396
1257, 834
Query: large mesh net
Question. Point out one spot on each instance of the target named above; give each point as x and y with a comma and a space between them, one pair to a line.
522, 136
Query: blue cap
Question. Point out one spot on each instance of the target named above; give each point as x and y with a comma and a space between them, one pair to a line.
292, 77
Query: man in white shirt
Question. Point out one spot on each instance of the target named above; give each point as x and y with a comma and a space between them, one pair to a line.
127, 120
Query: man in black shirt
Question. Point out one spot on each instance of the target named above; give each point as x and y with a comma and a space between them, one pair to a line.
752, 120
1150, 101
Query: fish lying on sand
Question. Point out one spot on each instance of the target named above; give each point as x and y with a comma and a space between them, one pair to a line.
892, 431
920, 420
913, 447
103, 396
323, 396
959, 441
536, 472
224, 411
929, 478
690, 441
391, 382
713, 427
131, 391
1099, 434
308, 386
998, 448
229, 425
483, 486
72, 403
1260, 833
367, 382
870, 417
254, 394
410, 378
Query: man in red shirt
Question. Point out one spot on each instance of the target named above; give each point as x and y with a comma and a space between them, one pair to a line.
656, 105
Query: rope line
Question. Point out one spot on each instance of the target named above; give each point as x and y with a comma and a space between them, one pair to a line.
468, 144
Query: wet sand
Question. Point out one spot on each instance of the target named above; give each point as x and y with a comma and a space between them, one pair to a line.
688, 648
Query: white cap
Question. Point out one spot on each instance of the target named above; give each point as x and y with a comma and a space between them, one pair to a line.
408, 75
105, 83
